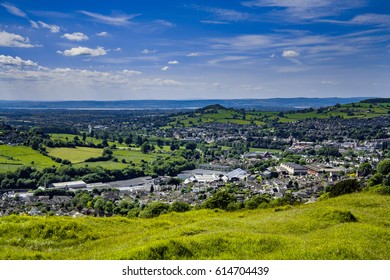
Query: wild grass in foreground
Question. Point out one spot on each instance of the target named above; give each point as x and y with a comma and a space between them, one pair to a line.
355, 226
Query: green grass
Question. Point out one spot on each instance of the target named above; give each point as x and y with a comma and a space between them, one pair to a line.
12, 157
135, 155
69, 137
75, 155
353, 110
348, 227
264, 150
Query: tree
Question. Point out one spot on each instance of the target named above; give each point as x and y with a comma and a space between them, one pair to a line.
154, 210
179, 206
220, 199
365, 169
145, 148
109, 207
344, 187
99, 206
383, 167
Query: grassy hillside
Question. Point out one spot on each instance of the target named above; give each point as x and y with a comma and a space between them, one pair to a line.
12, 157
348, 227
217, 113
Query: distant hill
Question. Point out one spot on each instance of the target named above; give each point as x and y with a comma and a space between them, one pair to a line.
272, 104
376, 100
217, 113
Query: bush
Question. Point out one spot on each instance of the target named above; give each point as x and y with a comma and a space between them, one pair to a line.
344, 187
384, 167
154, 210
220, 199
178, 206
233, 206
133, 213
380, 189
255, 201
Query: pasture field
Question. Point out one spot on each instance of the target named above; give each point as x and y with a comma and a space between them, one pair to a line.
12, 157
264, 150
75, 155
135, 155
347, 111
69, 137
349, 227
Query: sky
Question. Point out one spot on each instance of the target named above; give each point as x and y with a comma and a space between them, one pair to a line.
218, 49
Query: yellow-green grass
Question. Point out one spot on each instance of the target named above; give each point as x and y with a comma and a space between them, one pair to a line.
135, 156
324, 230
12, 157
69, 137
105, 164
75, 155
264, 150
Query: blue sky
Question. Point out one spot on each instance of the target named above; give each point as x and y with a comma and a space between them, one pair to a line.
151, 49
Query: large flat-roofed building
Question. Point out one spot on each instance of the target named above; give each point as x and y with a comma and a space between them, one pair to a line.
216, 167
69, 185
322, 169
293, 168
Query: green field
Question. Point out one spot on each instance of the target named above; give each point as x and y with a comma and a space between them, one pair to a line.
75, 155
69, 137
135, 155
12, 157
353, 110
353, 227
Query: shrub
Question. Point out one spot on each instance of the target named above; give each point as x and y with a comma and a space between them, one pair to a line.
179, 206
255, 201
344, 187
220, 199
380, 189
154, 210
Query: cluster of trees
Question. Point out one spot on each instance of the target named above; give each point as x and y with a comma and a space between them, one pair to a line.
27, 177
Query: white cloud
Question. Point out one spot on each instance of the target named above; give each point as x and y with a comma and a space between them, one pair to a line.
332, 83
228, 14
77, 36
103, 34
15, 61
80, 51
14, 40
213, 22
164, 23
307, 9
244, 42
290, 54
34, 24
14, 10
173, 62
365, 19
120, 20
193, 54
147, 51
53, 28
228, 58
159, 82
131, 72
165, 68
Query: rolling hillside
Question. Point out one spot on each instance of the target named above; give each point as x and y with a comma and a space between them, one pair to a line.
353, 226
216, 113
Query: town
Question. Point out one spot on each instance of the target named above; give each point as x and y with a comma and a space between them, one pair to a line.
185, 158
